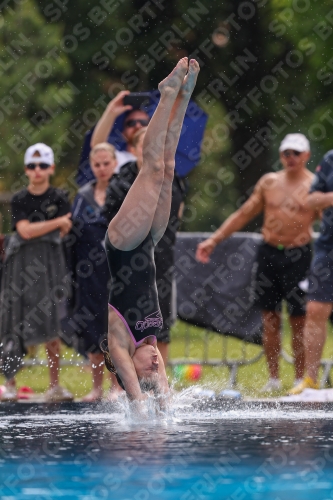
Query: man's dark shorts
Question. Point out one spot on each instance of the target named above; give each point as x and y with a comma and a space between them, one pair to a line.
320, 287
278, 275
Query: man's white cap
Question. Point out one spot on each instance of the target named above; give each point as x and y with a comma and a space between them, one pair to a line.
45, 152
297, 142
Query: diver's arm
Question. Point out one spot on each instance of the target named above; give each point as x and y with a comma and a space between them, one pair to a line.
126, 371
162, 374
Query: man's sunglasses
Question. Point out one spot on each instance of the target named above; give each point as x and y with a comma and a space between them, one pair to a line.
42, 166
291, 152
132, 123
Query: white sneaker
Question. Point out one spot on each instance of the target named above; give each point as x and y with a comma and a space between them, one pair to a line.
273, 384
297, 381
58, 394
9, 395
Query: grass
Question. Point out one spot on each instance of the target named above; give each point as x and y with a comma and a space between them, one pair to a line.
249, 381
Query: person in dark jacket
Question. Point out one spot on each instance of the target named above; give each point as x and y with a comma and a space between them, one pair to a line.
90, 265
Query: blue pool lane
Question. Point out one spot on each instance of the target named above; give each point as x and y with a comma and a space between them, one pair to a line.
78, 451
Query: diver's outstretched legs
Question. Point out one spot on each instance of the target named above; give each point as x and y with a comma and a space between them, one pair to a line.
134, 220
175, 124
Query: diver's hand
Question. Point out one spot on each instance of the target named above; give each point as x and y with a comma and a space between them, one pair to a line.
139, 406
163, 401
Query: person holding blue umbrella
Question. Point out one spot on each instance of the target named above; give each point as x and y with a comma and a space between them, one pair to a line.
134, 120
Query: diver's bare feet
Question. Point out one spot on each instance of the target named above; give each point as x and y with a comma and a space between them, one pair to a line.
171, 84
93, 396
190, 79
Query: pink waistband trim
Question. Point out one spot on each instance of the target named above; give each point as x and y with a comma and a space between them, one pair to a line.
128, 328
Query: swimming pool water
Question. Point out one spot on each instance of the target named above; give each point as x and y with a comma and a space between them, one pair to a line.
78, 451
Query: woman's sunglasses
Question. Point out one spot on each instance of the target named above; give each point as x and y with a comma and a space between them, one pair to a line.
132, 123
42, 166
291, 152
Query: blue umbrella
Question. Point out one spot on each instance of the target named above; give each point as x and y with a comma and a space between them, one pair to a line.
188, 151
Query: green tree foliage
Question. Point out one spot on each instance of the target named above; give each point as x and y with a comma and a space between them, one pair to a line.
36, 95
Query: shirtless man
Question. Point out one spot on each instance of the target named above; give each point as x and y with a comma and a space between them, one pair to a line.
285, 254
134, 313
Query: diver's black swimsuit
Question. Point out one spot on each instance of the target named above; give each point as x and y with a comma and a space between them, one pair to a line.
133, 294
